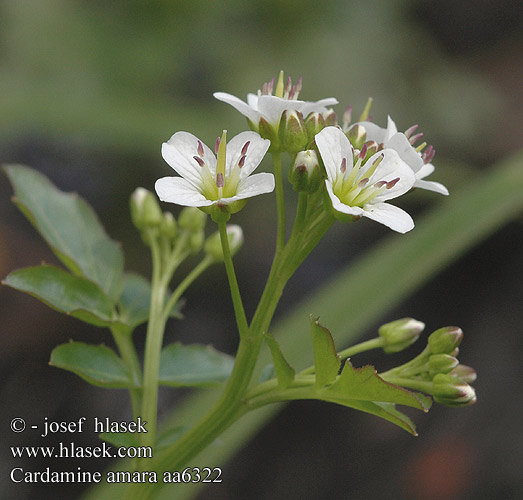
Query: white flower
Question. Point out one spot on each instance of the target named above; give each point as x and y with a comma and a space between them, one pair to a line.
207, 181
360, 188
418, 162
270, 107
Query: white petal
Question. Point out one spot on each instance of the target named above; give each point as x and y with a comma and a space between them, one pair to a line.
272, 107
431, 186
338, 205
255, 152
407, 152
374, 132
320, 106
391, 128
393, 217
179, 153
254, 185
425, 171
252, 101
391, 167
180, 191
239, 105
333, 146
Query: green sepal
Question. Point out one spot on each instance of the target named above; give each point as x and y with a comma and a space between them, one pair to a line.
64, 292
326, 361
284, 372
97, 364
193, 366
70, 227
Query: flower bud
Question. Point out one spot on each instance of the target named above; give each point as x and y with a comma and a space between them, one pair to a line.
213, 244
445, 340
464, 373
292, 132
314, 123
399, 334
145, 209
195, 242
330, 118
168, 226
305, 175
450, 391
192, 219
357, 135
268, 131
442, 363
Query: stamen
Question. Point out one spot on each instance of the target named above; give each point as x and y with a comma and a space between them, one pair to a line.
199, 161
217, 145
420, 147
219, 180
265, 88
363, 151
270, 87
245, 148
411, 130
200, 148
374, 165
288, 87
347, 115
343, 166
241, 162
380, 184
428, 154
392, 183
415, 138
363, 182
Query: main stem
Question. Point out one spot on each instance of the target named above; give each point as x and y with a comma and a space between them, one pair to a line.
280, 202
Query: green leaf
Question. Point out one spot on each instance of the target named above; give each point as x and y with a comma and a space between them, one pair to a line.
193, 366
366, 385
64, 292
326, 361
284, 372
168, 437
118, 439
70, 227
97, 364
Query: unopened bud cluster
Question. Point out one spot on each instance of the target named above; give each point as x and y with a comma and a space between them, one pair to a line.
436, 370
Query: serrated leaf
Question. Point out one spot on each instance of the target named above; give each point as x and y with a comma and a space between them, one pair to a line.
364, 384
98, 364
135, 301
326, 361
193, 365
64, 292
70, 227
284, 372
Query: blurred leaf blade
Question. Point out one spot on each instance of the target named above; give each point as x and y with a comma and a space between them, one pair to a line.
397, 267
70, 227
64, 292
97, 364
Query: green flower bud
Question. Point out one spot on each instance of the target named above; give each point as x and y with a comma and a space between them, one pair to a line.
357, 135
445, 340
196, 240
451, 391
330, 118
192, 219
464, 373
399, 334
168, 226
442, 363
305, 175
314, 123
292, 132
213, 244
145, 209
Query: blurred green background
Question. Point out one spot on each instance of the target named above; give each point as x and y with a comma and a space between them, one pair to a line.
88, 92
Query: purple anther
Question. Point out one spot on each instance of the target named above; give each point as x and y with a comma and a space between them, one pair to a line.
428, 154
199, 161
270, 87
363, 151
200, 148
415, 138
380, 184
217, 145
219, 180
245, 148
411, 130
363, 182
347, 115
241, 162
288, 85
392, 183
343, 165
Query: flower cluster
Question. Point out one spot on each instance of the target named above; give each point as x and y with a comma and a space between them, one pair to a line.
359, 167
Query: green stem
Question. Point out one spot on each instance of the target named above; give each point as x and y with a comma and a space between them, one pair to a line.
239, 311
280, 202
123, 338
417, 385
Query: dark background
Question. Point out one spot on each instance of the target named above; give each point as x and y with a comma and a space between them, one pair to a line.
90, 89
